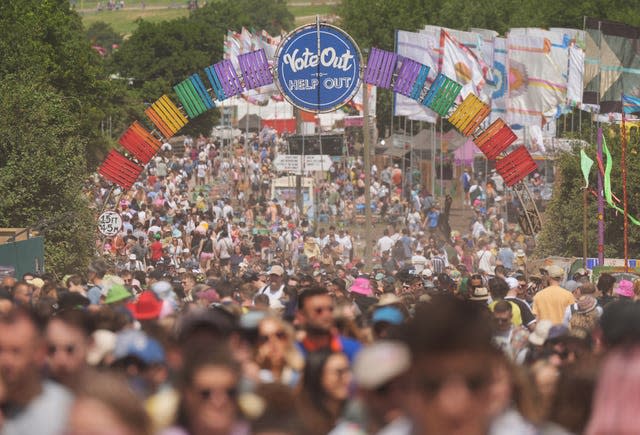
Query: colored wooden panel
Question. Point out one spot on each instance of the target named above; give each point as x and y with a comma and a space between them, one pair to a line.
163, 128
407, 75
380, 68
255, 69
185, 92
166, 116
228, 77
215, 83
468, 116
120, 170
198, 85
516, 165
495, 139
444, 96
139, 142
418, 87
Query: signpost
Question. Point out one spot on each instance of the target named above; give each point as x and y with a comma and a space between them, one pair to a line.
297, 164
109, 223
317, 162
318, 67
288, 163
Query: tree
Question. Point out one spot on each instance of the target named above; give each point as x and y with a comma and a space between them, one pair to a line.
159, 55
54, 94
563, 232
372, 23
43, 169
102, 35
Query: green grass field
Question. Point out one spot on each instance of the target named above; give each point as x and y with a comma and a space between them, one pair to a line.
123, 21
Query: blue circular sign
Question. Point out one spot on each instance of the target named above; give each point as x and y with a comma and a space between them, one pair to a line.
318, 68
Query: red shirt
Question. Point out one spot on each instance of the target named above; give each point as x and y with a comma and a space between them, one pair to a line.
156, 250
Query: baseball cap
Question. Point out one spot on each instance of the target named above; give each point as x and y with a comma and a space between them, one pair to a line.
132, 257
555, 271
387, 314
135, 343
276, 270
368, 371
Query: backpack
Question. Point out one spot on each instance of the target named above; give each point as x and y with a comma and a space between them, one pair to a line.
398, 250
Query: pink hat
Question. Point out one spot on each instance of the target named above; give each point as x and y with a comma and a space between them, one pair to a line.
361, 286
625, 289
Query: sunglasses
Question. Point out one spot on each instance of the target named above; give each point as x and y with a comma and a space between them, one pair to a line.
207, 393
264, 338
69, 349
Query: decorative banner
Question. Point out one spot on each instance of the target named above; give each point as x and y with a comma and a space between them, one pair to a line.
585, 164
318, 68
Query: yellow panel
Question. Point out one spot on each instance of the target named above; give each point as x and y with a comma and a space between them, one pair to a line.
173, 109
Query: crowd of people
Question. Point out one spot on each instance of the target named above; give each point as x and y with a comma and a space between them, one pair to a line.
218, 309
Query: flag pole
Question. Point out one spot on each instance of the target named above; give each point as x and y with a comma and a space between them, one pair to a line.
600, 203
623, 169
585, 226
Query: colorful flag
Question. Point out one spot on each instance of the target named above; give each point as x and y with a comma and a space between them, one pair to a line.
612, 63
630, 104
422, 48
608, 196
460, 64
585, 163
536, 82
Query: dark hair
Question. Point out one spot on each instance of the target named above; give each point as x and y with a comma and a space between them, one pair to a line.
498, 288
502, 306
500, 269
605, 283
197, 357
77, 319
446, 325
312, 379
18, 312
308, 293
73, 279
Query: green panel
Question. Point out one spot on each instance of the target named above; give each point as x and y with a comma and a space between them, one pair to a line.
447, 95
184, 98
195, 98
26, 256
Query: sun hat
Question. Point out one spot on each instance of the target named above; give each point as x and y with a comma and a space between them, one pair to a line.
147, 307
480, 294
362, 286
379, 363
104, 342
586, 303
625, 289
117, 293
388, 299
512, 282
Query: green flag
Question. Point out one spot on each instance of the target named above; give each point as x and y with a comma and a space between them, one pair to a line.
585, 163
607, 182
